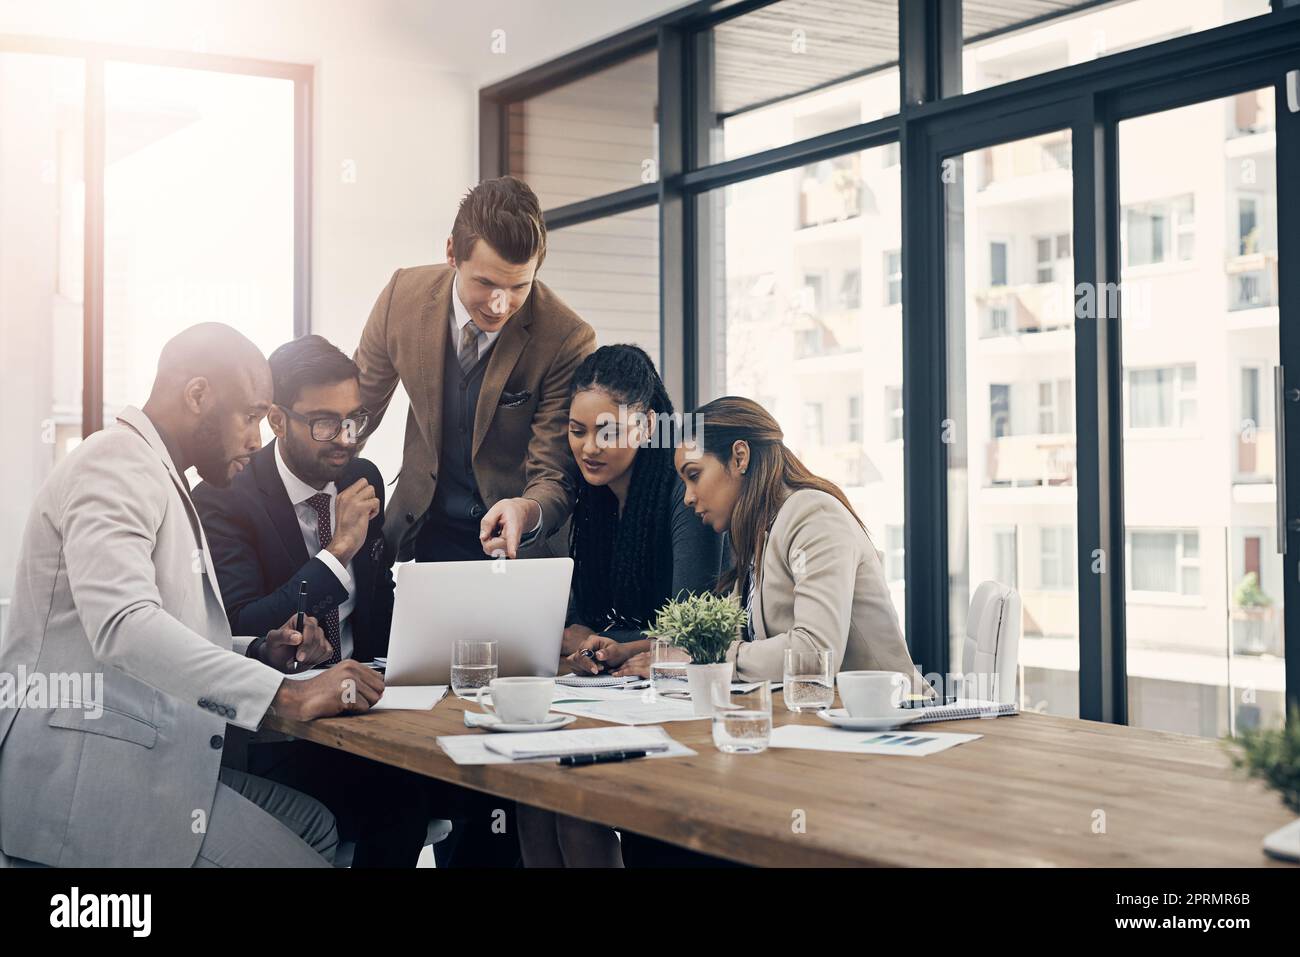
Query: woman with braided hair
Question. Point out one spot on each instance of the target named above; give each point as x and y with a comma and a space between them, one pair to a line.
635, 545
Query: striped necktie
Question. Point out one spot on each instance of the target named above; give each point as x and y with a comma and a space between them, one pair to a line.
329, 622
468, 352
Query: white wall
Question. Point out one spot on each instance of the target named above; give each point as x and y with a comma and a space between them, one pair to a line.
396, 97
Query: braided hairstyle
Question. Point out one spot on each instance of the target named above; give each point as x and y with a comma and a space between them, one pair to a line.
616, 578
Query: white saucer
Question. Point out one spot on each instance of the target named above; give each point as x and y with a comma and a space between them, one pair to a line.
490, 722
840, 718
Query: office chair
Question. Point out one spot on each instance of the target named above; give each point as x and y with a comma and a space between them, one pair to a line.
438, 831
990, 659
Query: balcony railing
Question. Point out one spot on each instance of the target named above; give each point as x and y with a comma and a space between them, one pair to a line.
1031, 460
1010, 161
830, 191
1022, 310
1252, 281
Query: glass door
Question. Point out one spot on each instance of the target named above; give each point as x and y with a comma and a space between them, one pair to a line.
1198, 257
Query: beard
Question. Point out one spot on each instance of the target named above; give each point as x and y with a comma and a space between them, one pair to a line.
311, 463
212, 463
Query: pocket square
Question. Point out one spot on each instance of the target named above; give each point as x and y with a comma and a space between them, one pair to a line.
511, 399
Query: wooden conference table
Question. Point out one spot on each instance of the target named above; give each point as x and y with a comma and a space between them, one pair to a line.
1031, 792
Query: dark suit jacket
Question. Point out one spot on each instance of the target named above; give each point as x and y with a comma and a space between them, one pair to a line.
260, 557
520, 442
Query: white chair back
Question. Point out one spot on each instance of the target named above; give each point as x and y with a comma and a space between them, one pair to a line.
990, 660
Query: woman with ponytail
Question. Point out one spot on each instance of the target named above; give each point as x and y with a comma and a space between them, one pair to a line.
805, 567
635, 545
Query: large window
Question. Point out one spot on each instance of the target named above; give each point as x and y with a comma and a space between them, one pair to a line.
186, 205
1089, 373
1064, 32
1010, 403
1203, 599
198, 214
800, 321
799, 68
607, 270
592, 136
42, 197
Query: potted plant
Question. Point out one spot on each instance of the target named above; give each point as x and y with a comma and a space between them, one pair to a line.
703, 626
1252, 614
1273, 756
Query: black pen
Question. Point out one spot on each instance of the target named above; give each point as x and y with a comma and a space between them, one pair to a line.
301, 620
577, 760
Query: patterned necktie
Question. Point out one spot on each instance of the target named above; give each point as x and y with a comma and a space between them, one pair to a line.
320, 504
468, 352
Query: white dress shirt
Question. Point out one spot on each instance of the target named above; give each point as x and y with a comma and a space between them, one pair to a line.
460, 316
299, 492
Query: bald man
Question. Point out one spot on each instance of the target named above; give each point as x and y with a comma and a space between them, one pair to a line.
118, 671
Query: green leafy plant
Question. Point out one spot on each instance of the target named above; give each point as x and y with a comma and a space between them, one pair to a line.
1273, 756
1248, 593
704, 626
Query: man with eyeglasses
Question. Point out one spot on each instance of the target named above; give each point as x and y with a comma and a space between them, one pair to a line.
307, 509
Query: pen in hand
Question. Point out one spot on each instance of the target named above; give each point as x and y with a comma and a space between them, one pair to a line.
300, 621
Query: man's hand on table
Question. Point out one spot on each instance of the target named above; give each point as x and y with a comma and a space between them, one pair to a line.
348, 688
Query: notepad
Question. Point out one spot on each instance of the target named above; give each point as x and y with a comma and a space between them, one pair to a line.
595, 681
557, 744
963, 708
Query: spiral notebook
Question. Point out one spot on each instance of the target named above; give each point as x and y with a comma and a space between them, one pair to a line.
964, 708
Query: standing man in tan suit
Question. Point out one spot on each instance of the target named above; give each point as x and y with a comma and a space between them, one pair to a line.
486, 354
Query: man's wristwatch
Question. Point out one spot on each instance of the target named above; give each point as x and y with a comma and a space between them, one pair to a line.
255, 649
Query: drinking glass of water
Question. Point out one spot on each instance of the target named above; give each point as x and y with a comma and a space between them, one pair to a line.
668, 668
473, 666
808, 682
742, 723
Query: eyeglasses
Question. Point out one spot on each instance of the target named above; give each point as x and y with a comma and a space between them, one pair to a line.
325, 428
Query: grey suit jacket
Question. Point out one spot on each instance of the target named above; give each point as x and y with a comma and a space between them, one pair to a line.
115, 578
821, 588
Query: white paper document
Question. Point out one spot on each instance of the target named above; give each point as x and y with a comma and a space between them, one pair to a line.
901, 741
409, 697
473, 748
622, 707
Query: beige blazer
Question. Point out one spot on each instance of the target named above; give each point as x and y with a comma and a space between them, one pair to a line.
521, 441
821, 587
115, 580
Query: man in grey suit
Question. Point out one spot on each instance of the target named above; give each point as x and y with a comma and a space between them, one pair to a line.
115, 582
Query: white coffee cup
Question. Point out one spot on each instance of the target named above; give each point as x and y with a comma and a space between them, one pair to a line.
523, 700
872, 694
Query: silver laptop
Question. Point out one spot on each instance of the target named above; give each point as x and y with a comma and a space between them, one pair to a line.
519, 604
